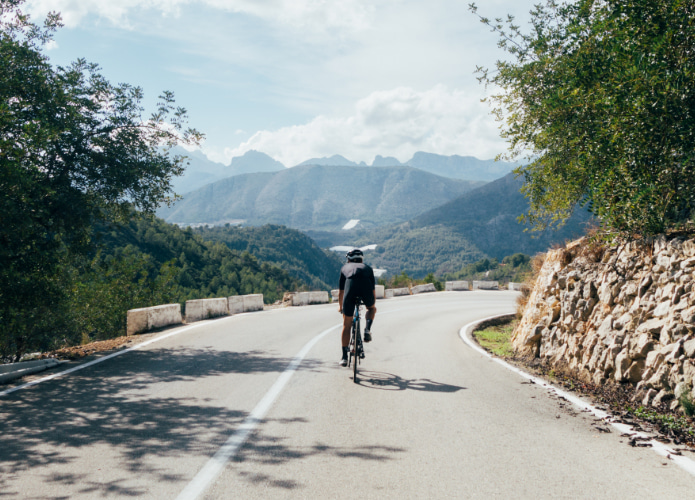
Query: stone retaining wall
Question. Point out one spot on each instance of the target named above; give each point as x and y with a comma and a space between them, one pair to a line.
625, 314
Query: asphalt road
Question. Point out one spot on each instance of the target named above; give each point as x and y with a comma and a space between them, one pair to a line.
430, 418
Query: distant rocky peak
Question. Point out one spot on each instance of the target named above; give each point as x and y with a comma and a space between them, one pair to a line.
256, 159
386, 161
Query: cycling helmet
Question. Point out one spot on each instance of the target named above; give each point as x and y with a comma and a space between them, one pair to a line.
354, 255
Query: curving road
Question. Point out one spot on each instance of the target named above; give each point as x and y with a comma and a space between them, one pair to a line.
430, 418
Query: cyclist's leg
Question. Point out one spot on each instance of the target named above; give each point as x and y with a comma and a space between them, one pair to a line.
369, 302
347, 325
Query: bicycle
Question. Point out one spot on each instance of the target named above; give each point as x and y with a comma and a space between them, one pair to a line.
356, 347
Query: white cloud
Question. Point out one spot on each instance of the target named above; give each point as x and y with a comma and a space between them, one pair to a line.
397, 122
346, 16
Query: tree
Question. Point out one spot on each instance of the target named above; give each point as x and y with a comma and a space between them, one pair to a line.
601, 96
74, 149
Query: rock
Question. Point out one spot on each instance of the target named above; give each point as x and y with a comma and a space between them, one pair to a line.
649, 396
643, 346
655, 359
687, 263
688, 316
671, 333
660, 378
622, 321
622, 363
606, 328
689, 348
630, 289
644, 285
662, 309
635, 371
651, 326
662, 397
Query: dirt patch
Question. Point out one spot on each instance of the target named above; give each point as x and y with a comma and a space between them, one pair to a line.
80, 351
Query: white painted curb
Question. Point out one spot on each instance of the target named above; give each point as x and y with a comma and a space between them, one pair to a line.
660, 448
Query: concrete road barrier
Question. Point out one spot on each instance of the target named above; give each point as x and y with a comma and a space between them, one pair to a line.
148, 318
396, 292
486, 285
427, 287
318, 297
379, 289
199, 309
253, 302
517, 287
14, 371
235, 304
455, 286
335, 295
308, 298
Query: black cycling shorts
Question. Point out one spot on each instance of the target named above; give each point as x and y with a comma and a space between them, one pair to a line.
352, 293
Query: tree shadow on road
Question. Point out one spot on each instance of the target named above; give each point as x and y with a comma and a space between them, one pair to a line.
123, 407
265, 449
390, 382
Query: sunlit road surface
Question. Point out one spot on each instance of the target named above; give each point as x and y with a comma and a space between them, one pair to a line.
429, 418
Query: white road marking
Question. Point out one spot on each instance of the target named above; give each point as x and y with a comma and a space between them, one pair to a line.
660, 448
216, 464
113, 355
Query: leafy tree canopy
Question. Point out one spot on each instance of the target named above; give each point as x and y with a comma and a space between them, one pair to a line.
601, 95
74, 148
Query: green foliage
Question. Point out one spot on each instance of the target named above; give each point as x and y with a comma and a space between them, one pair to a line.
665, 421
687, 403
513, 268
73, 149
431, 278
201, 269
601, 95
287, 248
497, 339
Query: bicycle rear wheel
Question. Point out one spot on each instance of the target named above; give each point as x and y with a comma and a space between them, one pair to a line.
356, 355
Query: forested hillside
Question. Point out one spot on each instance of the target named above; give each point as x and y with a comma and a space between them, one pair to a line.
290, 249
480, 223
318, 197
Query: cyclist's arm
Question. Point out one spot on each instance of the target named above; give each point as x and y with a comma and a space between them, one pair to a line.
340, 300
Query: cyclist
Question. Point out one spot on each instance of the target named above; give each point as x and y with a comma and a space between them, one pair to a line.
356, 281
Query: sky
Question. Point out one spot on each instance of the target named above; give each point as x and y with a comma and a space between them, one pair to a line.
300, 79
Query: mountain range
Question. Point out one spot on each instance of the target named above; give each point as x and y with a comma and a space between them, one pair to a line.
317, 197
480, 223
202, 171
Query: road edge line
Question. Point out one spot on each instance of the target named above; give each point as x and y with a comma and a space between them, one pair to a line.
113, 355
659, 448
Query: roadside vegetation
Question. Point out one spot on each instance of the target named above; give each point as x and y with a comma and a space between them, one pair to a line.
600, 97
82, 170
497, 339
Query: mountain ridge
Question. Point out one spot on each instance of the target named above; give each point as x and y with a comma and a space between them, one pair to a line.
317, 197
